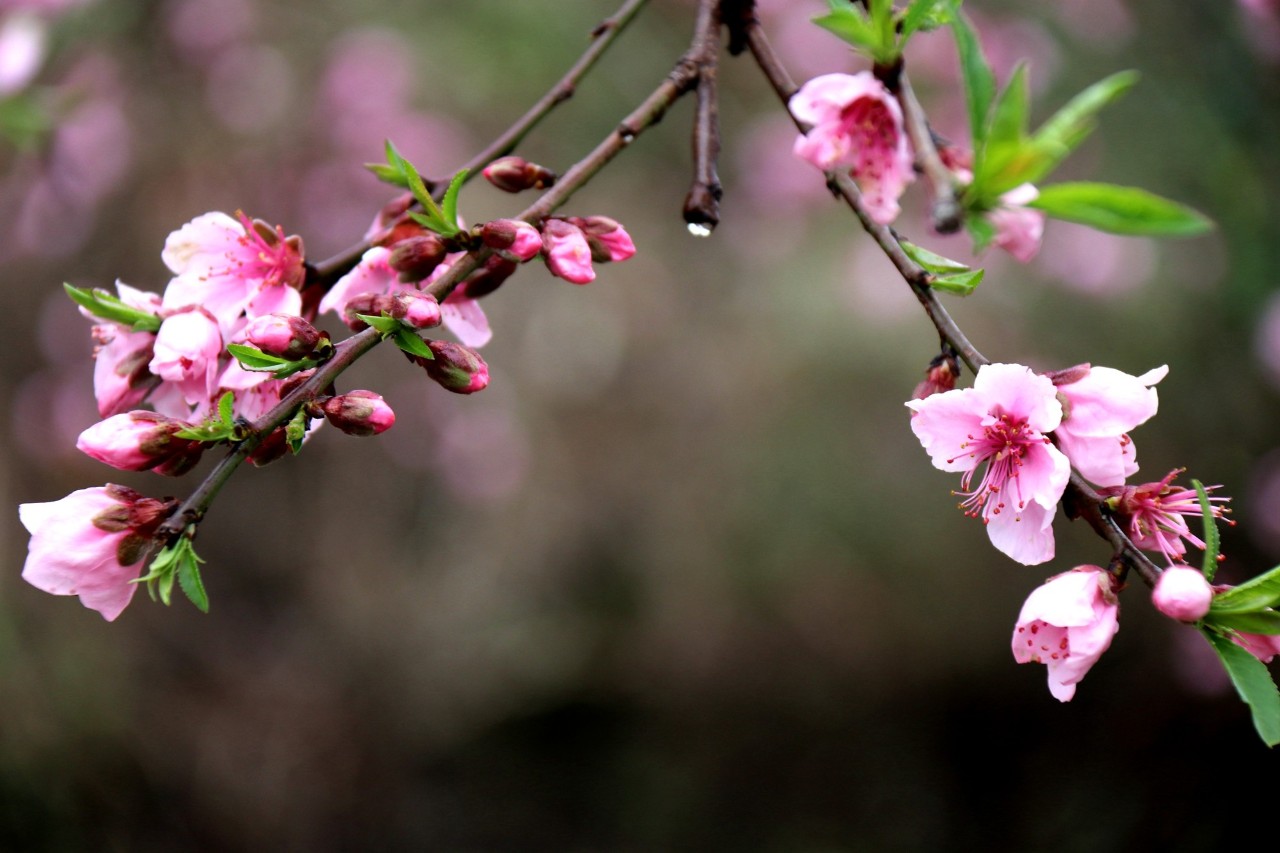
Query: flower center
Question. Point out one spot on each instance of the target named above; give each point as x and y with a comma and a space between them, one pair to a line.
1003, 446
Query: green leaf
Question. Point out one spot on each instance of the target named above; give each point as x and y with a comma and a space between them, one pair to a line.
1212, 541
1005, 157
1009, 115
1072, 124
1253, 683
850, 23
101, 304
226, 409
191, 583
1258, 622
960, 283
385, 325
932, 262
1120, 210
296, 430
982, 232
252, 358
412, 344
388, 174
449, 204
1250, 596
979, 81
925, 15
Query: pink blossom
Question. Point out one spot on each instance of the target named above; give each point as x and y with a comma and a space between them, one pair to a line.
187, 350
1262, 646
512, 239
232, 268
1019, 229
359, 413
1066, 624
856, 123
1154, 514
139, 441
1001, 421
91, 544
608, 240
1182, 593
567, 252
121, 378
23, 43
1102, 406
374, 274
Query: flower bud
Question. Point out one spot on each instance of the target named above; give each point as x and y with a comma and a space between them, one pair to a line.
513, 174
137, 441
415, 308
271, 448
938, 379
359, 413
512, 239
1182, 593
284, 335
417, 257
608, 240
369, 304
566, 251
488, 278
456, 367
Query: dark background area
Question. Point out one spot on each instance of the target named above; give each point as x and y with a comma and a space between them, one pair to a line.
681, 577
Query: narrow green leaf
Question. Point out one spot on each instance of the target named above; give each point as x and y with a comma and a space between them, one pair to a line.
101, 304
252, 358
1005, 155
226, 409
850, 23
1257, 622
449, 204
1212, 541
385, 325
1072, 124
1252, 595
388, 174
979, 81
1120, 210
981, 230
1253, 683
190, 581
296, 430
1012, 106
934, 263
412, 344
925, 15
960, 283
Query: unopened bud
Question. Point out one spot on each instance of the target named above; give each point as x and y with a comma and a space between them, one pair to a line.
488, 278
417, 257
271, 448
566, 251
1182, 593
938, 379
608, 240
512, 239
456, 367
415, 308
514, 174
369, 304
140, 441
359, 413
1069, 375
284, 335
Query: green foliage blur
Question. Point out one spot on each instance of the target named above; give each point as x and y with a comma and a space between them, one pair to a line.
681, 577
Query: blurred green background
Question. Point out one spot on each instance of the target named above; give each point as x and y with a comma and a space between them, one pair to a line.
681, 578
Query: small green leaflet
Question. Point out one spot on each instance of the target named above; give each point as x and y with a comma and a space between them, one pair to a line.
979, 81
947, 275
1212, 541
1251, 596
926, 15
443, 218
219, 427
101, 304
1253, 682
1120, 210
256, 360
180, 562
404, 337
1258, 622
296, 430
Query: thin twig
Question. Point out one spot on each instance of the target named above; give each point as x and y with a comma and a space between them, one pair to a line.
946, 213
1080, 499
603, 36
702, 204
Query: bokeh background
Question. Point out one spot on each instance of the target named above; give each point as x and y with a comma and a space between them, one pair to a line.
681, 578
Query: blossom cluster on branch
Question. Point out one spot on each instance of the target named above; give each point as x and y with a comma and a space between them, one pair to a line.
230, 354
